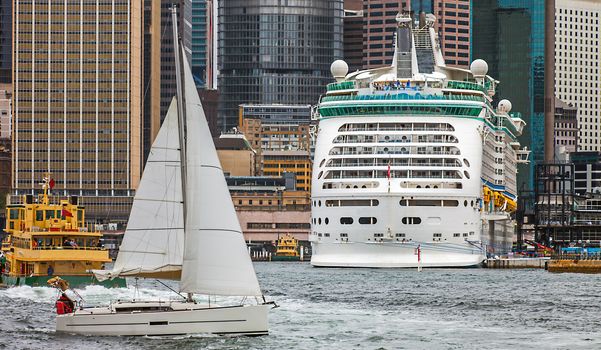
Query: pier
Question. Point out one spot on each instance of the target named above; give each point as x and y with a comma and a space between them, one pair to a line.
517, 263
575, 263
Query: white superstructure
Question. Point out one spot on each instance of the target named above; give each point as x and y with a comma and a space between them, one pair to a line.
413, 157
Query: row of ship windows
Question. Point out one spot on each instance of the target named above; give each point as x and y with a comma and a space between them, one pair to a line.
432, 150
397, 139
342, 162
367, 220
374, 174
380, 236
402, 202
344, 185
396, 127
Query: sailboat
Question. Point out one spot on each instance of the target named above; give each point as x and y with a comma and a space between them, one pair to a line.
182, 226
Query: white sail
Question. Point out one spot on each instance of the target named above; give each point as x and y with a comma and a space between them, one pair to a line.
153, 242
216, 260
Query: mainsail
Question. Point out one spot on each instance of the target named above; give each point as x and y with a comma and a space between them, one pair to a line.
153, 242
216, 261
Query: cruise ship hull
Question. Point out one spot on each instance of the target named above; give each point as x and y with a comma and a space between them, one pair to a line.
394, 255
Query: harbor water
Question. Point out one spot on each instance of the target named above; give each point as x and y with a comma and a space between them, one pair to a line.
358, 309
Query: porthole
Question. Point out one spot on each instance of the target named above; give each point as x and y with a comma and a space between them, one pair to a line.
368, 220
320, 173
319, 221
465, 203
472, 203
327, 221
346, 221
467, 175
467, 164
321, 163
319, 203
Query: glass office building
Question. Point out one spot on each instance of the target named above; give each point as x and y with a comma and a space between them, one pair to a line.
511, 38
271, 53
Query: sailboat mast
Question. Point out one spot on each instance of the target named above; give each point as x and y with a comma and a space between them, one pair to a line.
181, 107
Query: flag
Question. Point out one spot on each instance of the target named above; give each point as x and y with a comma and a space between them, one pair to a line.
65, 213
51, 183
388, 172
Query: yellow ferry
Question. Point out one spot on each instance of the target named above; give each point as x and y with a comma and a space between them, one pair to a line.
49, 239
286, 249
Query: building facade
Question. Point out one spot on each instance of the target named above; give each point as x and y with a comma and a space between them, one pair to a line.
204, 41
271, 53
159, 61
510, 37
453, 22
5, 112
6, 41
577, 64
379, 26
77, 101
566, 127
353, 39
235, 154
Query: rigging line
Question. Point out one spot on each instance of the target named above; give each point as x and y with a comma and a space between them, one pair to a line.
171, 289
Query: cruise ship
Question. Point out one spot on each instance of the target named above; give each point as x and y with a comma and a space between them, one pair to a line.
415, 165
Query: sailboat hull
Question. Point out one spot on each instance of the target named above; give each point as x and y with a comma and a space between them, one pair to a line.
165, 318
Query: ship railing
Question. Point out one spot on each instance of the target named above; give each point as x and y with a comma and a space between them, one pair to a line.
66, 248
576, 256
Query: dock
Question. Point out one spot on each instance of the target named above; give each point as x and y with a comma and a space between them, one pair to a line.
517, 263
576, 263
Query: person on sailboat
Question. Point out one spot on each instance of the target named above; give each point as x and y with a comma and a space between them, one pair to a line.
64, 304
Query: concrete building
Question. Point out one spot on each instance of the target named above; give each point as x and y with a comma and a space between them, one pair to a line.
5, 112
379, 26
268, 207
281, 136
77, 101
453, 22
6, 41
577, 65
510, 37
236, 155
270, 53
566, 128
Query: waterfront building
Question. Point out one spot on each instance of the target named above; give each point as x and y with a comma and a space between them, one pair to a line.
6, 33
511, 36
566, 128
577, 64
236, 155
379, 26
271, 53
77, 101
281, 136
268, 207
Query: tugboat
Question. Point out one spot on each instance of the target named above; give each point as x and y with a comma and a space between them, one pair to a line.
47, 237
286, 249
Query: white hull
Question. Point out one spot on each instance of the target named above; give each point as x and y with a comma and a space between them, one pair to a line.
166, 318
388, 254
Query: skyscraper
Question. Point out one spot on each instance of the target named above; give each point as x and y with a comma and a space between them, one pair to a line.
453, 24
159, 62
6, 33
77, 100
271, 53
204, 56
577, 65
379, 26
511, 39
